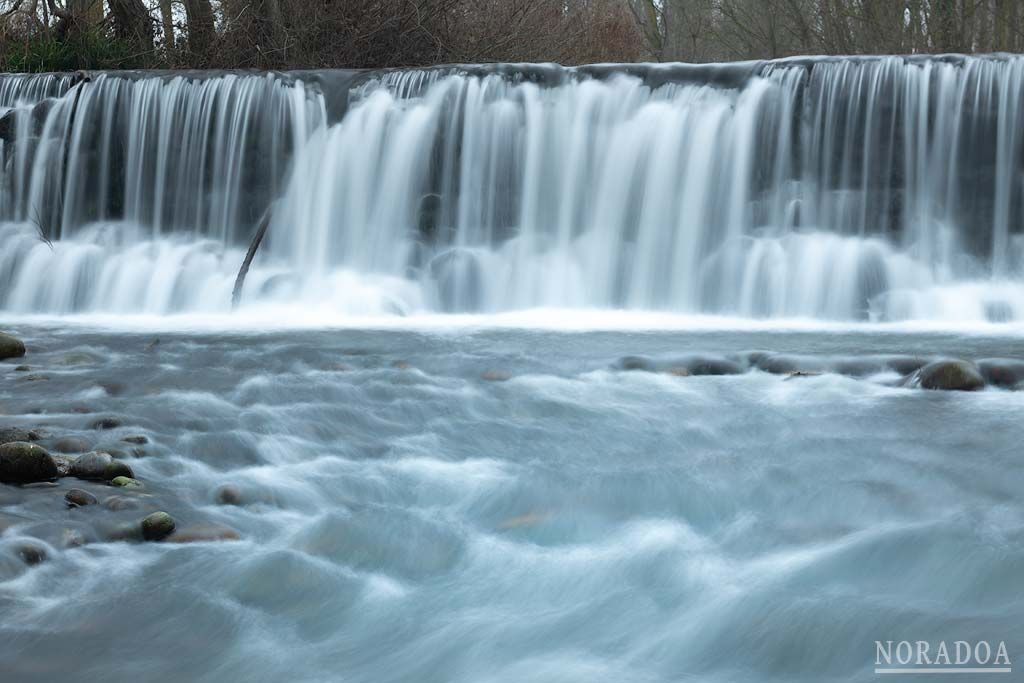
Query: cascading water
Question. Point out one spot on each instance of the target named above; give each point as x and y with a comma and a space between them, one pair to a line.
882, 188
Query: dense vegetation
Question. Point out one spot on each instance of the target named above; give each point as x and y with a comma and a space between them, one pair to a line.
60, 35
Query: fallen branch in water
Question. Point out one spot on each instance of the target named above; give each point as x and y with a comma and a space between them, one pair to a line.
257, 239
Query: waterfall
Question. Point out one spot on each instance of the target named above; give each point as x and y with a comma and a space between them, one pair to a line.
884, 188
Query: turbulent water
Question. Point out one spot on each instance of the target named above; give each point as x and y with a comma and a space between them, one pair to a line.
405, 519
875, 188
436, 467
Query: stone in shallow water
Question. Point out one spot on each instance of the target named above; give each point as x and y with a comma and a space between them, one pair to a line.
203, 533
157, 526
949, 375
634, 363
137, 439
70, 444
126, 482
1002, 372
118, 503
24, 463
31, 553
9, 434
99, 466
79, 498
11, 347
107, 423
228, 494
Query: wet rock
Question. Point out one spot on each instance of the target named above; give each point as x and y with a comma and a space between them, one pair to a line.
24, 463
124, 532
64, 464
632, 363
99, 466
495, 376
9, 434
203, 533
858, 367
72, 538
70, 444
126, 483
712, 366
35, 378
73, 359
228, 494
157, 526
77, 498
11, 347
31, 553
106, 423
906, 365
785, 365
137, 439
801, 373
119, 503
112, 388
1002, 372
23, 368
678, 371
949, 375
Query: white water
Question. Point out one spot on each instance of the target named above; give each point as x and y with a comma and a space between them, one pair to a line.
880, 189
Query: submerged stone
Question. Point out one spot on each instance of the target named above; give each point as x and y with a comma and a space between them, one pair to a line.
25, 463
79, 498
126, 483
99, 466
950, 375
11, 347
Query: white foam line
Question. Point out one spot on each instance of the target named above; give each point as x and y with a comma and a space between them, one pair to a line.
574, 320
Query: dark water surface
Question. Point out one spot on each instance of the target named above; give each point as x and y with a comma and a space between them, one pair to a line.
406, 518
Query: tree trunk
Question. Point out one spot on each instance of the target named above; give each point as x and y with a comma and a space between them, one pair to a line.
167, 20
200, 26
132, 23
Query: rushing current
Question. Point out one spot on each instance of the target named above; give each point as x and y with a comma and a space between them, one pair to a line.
846, 189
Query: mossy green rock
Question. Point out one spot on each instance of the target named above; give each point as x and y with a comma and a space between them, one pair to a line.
25, 463
11, 347
157, 526
126, 482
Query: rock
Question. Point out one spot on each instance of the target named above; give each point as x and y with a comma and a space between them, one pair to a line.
99, 466
713, 366
11, 347
64, 464
1002, 372
783, 365
24, 463
634, 363
35, 378
949, 375
106, 423
203, 533
137, 439
125, 532
857, 367
73, 359
72, 538
126, 483
9, 434
77, 498
495, 376
678, 371
118, 503
70, 444
31, 553
906, 365
228, 495
157, 526
801, 373
23, 368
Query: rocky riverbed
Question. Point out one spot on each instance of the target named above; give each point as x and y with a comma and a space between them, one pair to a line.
469, 504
